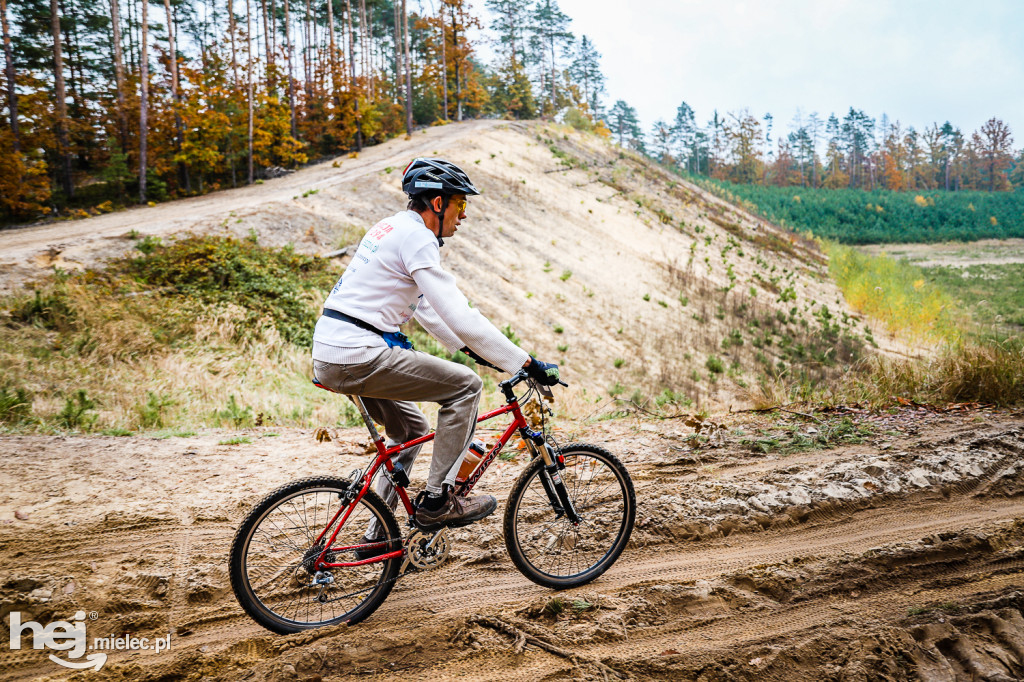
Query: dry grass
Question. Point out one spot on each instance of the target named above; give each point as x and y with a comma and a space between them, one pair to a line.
105, 352
970, 371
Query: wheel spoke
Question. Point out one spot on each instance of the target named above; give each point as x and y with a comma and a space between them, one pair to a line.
555, 551
279, 554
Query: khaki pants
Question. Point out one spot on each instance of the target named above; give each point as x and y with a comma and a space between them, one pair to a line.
390, 385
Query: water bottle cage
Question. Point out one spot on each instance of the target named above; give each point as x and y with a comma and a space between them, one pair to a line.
398, 476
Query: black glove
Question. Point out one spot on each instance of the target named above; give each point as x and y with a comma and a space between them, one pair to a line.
544, 373
476, 358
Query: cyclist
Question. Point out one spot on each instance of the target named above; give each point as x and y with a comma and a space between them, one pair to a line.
395, 275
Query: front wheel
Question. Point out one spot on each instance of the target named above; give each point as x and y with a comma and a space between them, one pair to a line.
541, 540
273, 558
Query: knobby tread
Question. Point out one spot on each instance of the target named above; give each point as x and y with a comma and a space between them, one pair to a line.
593, 572
239, 583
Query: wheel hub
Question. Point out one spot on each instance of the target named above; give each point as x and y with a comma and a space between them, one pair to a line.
310, 557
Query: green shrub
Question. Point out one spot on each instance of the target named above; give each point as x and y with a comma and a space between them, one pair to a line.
510, 334
151, 413
670, 397
49, 310
714, 364
270, 284
75, 415
235, 414
15, 405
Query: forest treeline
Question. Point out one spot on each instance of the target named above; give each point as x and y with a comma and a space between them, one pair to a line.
856, 151
112, 102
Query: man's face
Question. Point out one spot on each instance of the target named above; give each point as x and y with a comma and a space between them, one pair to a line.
453, 215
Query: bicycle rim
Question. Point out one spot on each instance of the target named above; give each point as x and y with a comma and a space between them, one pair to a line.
557, 552
280, 550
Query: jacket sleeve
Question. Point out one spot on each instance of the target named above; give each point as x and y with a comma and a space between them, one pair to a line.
467, 324
435, 326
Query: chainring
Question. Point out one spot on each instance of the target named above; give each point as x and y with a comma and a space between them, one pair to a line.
422, 558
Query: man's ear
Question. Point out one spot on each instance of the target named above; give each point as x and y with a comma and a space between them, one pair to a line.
436, 203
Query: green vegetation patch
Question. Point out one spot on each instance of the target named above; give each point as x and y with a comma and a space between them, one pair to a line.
993, 293
854, 216
894, 292
268, 283
797, 438
165, 339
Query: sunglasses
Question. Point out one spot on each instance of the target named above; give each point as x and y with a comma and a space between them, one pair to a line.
459, 204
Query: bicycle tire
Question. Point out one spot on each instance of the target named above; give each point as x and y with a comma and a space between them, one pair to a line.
544, 547
287, 556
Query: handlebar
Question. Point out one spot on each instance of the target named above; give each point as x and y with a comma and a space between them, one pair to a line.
507, 385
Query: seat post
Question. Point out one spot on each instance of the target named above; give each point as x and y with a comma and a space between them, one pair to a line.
374, 435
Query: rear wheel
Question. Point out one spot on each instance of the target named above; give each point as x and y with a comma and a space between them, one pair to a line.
275, 549
544, 545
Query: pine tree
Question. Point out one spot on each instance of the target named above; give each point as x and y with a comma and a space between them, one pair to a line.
585, 69
552, 28
684, 131
624, 124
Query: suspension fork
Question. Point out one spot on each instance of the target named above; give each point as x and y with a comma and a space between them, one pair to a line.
550, 479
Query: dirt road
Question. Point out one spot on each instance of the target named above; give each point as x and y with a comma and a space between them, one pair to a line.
74, 244
898, 557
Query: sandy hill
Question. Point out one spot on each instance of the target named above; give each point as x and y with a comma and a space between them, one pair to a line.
635, 281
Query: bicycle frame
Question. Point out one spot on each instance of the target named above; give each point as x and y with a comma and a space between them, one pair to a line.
383, 459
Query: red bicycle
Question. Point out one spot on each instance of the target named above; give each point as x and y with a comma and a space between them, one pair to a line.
294, 563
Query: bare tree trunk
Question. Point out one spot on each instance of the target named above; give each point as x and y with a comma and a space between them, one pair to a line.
364, 44
143, 100
62, 105
176, 95
133, 54
12, 95
455, 59
444, 60
266, 37
234, 54
398, 56
408, 72
272, 36
248, 69
353, 87
307, 34
122, 116
554, 106
333, 61
291, 71
351, 46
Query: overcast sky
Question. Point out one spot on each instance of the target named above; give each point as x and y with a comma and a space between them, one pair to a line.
918, 61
